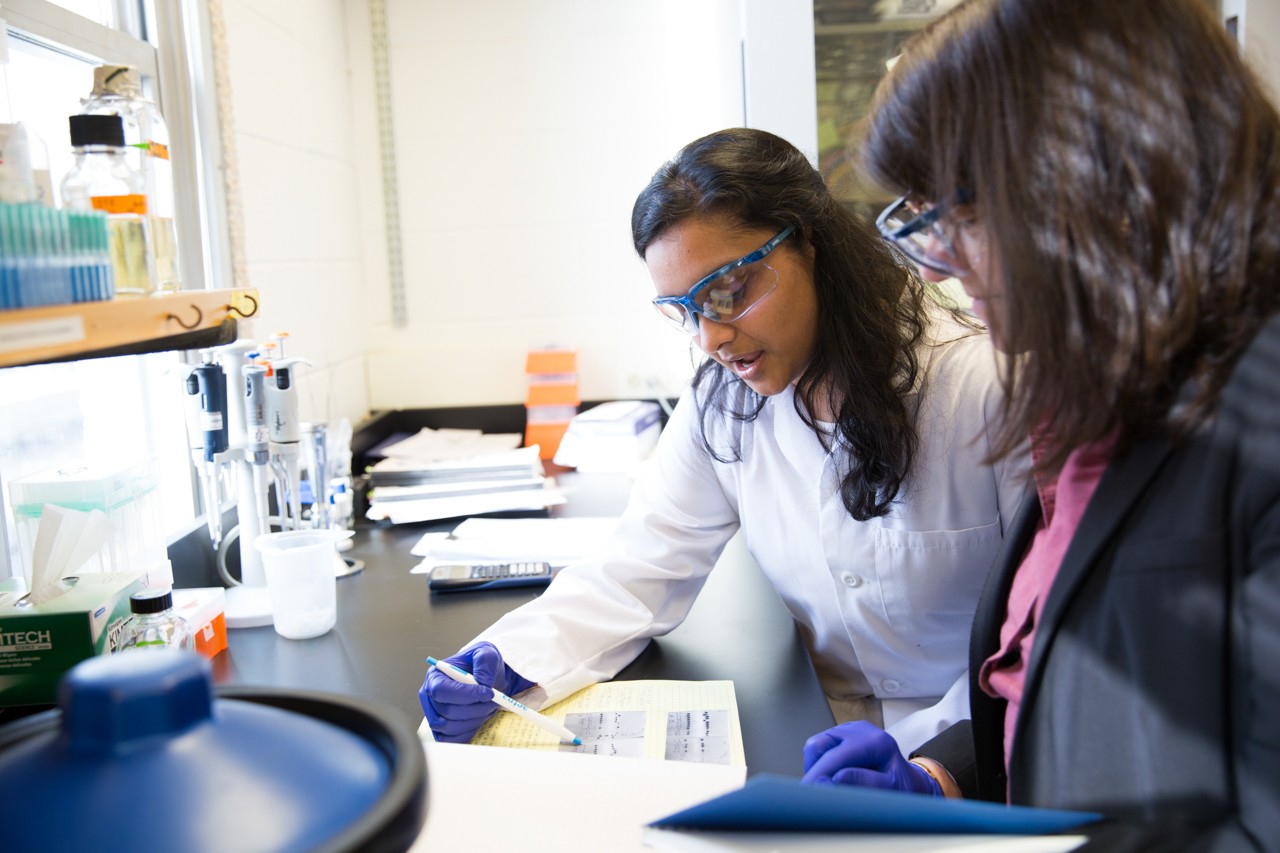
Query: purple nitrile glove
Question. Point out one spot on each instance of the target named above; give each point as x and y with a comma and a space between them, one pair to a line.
455, 711
860, 753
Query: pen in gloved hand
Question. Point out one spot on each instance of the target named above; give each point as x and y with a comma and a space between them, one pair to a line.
504, 701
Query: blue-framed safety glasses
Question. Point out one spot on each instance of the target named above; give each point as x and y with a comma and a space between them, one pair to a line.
727, 294
917, 230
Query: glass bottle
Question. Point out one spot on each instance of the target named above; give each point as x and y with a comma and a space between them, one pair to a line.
117, 90
102, 180
154, 624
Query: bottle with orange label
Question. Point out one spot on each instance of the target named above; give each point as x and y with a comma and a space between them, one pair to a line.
101, 179
117, 90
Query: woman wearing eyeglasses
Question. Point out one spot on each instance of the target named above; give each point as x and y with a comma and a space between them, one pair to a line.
1104, 177
840, 422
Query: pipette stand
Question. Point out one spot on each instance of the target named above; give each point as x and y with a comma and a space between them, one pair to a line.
248, 605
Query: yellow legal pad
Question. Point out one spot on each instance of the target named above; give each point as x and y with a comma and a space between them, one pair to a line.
695, 721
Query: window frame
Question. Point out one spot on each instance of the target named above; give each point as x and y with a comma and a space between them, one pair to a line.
181, 69
170, 43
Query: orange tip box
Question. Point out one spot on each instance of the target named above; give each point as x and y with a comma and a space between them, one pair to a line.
205, 609
552, 361
552, 395
552, 398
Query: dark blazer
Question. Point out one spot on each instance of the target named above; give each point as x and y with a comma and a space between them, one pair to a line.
1153, 689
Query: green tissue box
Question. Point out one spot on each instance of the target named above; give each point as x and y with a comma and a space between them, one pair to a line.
38, 643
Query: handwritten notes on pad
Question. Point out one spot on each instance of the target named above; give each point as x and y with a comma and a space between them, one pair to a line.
674, 720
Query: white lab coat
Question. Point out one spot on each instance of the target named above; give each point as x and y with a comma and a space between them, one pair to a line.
885, 606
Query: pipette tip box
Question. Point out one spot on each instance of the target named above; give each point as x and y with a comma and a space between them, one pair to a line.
205, 609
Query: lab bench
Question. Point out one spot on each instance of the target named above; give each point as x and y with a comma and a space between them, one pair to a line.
389, 622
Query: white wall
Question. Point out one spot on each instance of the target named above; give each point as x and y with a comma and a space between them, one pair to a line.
780, 72
1258, 28
523, 133
298, 167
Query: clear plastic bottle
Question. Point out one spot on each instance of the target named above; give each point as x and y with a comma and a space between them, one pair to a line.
117, 90
154, 624
24, 166
102, 180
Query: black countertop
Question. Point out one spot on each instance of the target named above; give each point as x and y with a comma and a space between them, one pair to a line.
389, 622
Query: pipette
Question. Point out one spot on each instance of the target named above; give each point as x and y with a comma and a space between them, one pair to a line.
257, 448
284, 429
209, 382
316, 447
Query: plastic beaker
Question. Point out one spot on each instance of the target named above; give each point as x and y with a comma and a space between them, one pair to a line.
298, 565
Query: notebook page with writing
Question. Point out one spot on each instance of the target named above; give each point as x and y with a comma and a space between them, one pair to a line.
691, 721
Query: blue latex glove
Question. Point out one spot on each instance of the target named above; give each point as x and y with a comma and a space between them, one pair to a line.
860, 753
456, 711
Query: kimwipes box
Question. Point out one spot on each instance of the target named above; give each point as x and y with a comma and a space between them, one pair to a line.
38, 643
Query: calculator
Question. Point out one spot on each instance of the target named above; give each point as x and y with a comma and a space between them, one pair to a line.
466, 577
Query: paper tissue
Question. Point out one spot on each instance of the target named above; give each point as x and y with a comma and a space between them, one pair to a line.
126, 491
59, 617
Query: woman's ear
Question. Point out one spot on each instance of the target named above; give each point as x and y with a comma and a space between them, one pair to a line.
806, 247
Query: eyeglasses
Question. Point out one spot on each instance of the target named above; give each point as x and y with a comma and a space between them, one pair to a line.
726, 294
917, 230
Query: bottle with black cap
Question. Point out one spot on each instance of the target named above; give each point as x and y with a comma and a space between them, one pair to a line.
154, 624
118, 90
101, 179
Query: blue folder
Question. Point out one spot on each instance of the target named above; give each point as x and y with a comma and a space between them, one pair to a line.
779, 803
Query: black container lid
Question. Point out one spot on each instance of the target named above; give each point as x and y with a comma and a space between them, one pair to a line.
150, 601
106, 129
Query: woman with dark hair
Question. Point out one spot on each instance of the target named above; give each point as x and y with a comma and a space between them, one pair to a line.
1104, 179
839, 423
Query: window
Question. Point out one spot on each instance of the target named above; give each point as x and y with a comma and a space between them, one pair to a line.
104, 411
853, 41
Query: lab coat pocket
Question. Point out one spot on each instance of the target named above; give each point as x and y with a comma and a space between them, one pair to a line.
931, 579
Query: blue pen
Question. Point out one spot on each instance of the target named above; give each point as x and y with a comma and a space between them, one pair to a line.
502, 700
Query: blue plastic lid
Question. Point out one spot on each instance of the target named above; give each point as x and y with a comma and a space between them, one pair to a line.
145, 754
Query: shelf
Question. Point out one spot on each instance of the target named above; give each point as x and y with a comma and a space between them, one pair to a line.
190, 319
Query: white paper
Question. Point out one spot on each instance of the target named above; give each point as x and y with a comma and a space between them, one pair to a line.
521, 457
426, 491
552, 801
403, 512
440, 444
558, 541
65, 540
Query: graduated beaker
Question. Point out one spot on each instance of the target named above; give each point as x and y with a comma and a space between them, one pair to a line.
298, 565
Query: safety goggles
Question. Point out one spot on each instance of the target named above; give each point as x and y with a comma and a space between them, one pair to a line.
727, 294
918, 229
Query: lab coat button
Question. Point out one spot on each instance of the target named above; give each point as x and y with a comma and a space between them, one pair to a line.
851, 581
890, 686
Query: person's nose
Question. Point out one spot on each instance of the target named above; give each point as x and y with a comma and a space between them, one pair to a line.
713, 334
941, 248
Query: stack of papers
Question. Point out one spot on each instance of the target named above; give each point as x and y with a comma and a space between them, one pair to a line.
437, 445
450, 473
612, 437
558, 541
